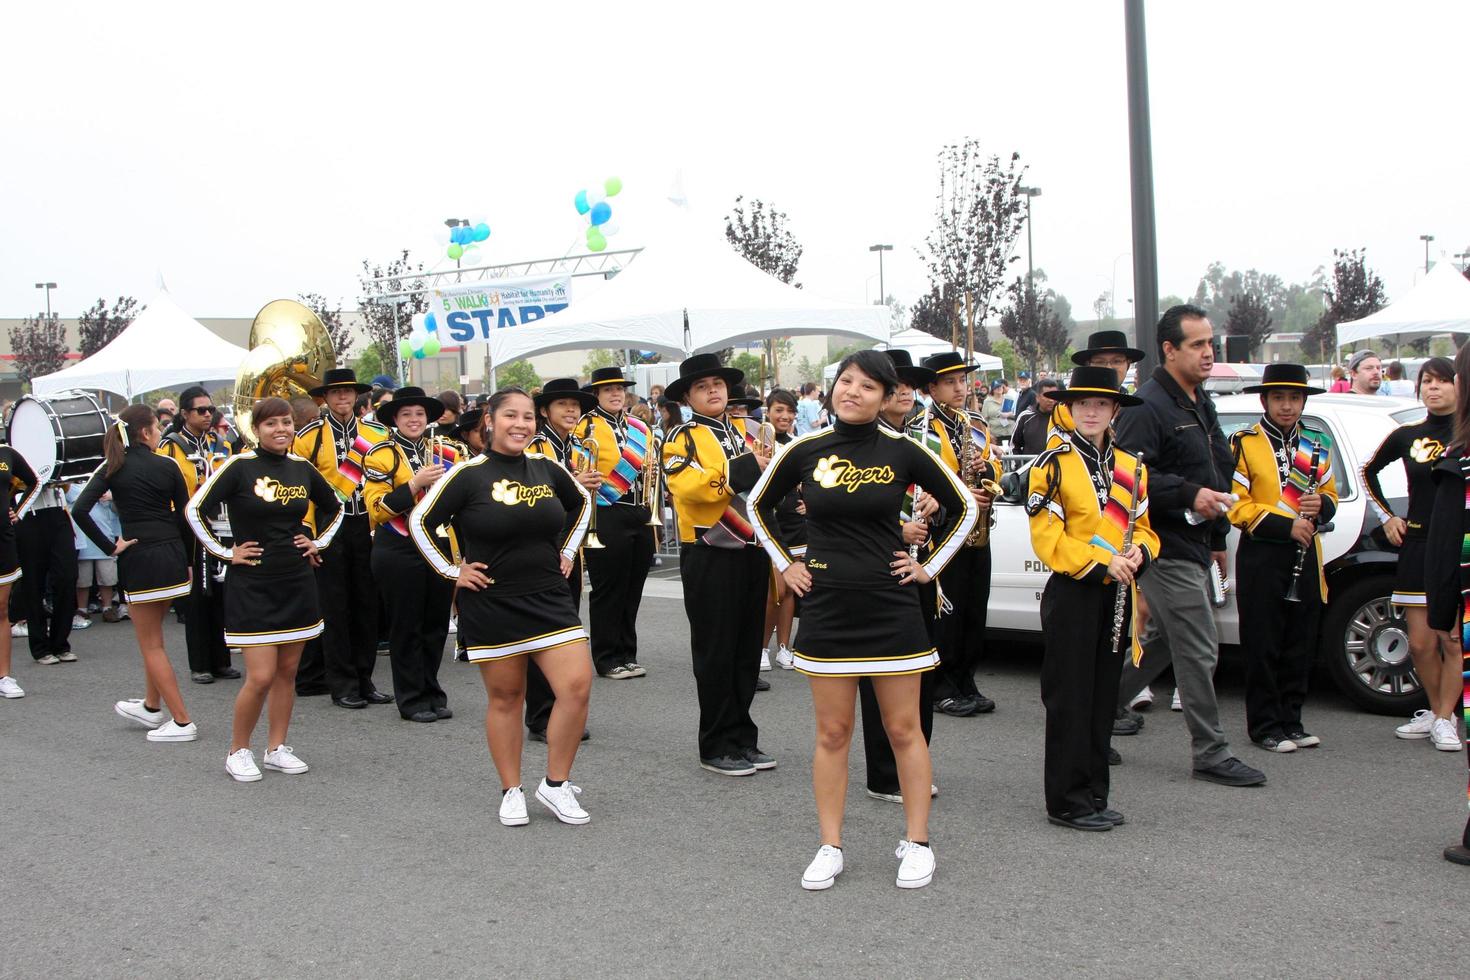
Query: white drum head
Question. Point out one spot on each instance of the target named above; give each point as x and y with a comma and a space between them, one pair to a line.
33, 436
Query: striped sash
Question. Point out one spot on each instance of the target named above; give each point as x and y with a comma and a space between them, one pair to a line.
629, 467
350, 469
1114, 524
1300, 477
734, 529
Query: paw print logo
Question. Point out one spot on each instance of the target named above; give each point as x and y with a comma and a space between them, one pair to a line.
827, 472
504, 493
265, 489
1426, 450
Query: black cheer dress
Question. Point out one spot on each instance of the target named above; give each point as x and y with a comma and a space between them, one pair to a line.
19, 479
150, 495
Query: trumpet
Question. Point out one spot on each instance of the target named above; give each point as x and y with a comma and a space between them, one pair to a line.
584, 460
765, 440
653, 490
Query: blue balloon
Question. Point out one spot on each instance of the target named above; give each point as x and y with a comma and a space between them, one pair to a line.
482, 232
462, 235
454, 235
601, 211
431, 323
581, 202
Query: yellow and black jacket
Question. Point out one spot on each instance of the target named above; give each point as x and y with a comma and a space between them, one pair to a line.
547, 443
706, 463
1264, 458
320, 443
197, 457
610, 433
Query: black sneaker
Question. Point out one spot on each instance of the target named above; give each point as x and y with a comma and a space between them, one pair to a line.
956, 707
1273, 744
1303, 739
1125, 726
201, 677
1114, 759
727, 766
1108, 813
983, 705
1094, 822
761, 684
1231, 772
1131, 715
759, 759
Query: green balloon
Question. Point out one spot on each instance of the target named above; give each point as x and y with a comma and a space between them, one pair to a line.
455, 251
405, 348
431, 347
596, 242
612, 185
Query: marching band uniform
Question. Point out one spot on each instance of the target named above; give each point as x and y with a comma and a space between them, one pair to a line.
20, 480
619, 568
1278, 637
348, 594
47, 546
418, 599
965, 583
1418, 446
707, 466
1079, 502
198, 457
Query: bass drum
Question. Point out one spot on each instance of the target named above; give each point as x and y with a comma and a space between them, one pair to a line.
61, 436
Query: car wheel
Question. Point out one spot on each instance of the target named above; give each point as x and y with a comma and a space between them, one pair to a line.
1365, 647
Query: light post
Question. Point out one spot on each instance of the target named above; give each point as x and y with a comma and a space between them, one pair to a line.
1426, 239
1141, 170
880, 249
48, 286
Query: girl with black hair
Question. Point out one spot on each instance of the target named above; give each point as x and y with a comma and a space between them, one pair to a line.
18, 478
790, 515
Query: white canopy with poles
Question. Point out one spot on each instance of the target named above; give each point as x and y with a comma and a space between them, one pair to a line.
921, 345
163, 347
1440, 303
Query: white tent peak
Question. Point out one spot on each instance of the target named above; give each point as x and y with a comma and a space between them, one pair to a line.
1440, 303
162, 286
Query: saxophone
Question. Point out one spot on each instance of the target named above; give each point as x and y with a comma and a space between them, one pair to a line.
973, 468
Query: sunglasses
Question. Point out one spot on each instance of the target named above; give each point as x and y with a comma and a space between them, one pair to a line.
205, 410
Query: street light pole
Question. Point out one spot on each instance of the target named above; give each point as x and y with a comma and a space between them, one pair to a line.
880, 249
1141, 167
48, 286
1426, 239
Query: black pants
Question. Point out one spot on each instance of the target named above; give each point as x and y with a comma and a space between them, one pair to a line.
1079, 687
204, 620
617, 572
725, 600
539, 696
877, 750
349, 600
960, 633
418, 601
47, 547
1277, 638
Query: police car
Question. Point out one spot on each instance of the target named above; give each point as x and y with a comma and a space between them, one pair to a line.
1364, 641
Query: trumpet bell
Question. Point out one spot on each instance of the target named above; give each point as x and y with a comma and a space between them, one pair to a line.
592, 541
290, 352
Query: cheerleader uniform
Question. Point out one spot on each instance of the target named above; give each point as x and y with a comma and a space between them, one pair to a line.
857, 620
1447, 583
150, 495
20, 479
274, 600
1419, 446
514, 514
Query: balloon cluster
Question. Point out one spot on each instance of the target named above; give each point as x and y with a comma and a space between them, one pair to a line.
592, 204
422, 340
462, 241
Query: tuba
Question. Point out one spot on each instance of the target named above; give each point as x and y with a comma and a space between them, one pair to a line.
290, 351
972, 465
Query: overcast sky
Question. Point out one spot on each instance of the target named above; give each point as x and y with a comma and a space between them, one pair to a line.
257, 151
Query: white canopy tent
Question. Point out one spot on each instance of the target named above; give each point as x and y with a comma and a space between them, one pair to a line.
163, 347
688, 291
1440, 303
921, 345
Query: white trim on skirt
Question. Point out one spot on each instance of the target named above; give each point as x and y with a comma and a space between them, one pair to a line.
534, 644
275, 638
10, 577
911, 664
1410, 599
159, 594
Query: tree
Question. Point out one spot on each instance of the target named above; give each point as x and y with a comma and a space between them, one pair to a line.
398, 276
1354, 292
761, 235
807, 371
750, 364
1102, 310
934, 315
369, 364
600, 358
1249, 317
39, 345
331, 318
978, 216
1010, 363
1037, 324
898, 313
97, 327
518, 374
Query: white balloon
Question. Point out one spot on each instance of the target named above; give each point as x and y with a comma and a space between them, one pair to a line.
471, 256
595, 193
610, 227
441, 236
416, 340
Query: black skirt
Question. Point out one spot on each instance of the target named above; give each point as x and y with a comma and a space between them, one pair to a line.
9, 560
268, 609
495, 627
154, 571
1408, 584
858, 633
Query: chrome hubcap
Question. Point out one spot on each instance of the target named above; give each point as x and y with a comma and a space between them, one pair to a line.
1376, 644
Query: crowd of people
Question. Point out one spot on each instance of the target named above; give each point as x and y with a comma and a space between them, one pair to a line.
844, 535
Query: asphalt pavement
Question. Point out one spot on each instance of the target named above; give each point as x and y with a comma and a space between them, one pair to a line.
128, 858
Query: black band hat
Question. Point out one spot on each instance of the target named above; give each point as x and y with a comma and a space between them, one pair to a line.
407, 397
698, 366
1107, 342
608, 376
947, 363
747, 396
559, 388
1095, 382
340, 378
910, 373
469, 421
1284, 377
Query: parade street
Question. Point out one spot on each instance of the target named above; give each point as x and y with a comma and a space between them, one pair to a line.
128, 858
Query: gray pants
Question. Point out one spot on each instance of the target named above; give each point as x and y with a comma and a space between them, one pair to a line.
1181, 628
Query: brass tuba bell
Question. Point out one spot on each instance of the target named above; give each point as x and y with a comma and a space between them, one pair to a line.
290, 352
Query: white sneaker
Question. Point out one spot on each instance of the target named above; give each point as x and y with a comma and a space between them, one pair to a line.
562, 801
513, 808
785, 659
765, 660
10, 689
172, 731
122, 611
282, 758
1419, 726
1445, 737
453, 625
132, 709
1176, 704
823, 870
916, 867
1142, 701
80, 622
241, 766
20, 629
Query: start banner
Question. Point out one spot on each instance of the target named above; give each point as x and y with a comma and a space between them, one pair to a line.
470, 311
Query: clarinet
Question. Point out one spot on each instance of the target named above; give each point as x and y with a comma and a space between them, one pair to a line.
1120, 604
1301, 549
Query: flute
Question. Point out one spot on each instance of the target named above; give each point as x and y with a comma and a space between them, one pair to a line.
1301, 549
1120, 604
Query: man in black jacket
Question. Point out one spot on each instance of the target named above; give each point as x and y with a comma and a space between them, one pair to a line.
1189, 470
1031, 425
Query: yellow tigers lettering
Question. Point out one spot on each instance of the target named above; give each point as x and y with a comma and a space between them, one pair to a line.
510, 493
273, 491
834, 471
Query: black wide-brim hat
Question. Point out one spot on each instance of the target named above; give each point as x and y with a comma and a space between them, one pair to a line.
748, 397
608, 376
1107, 342
1285, 377
910, 373
469, 421
1095, 382
340, 378
407, 397
947, 362
698, 366
559, 388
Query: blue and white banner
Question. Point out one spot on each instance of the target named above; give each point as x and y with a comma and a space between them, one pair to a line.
471, 311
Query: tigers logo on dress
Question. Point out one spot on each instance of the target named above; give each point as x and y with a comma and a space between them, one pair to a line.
833, 471
273, 491
510, 493
1426, 450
